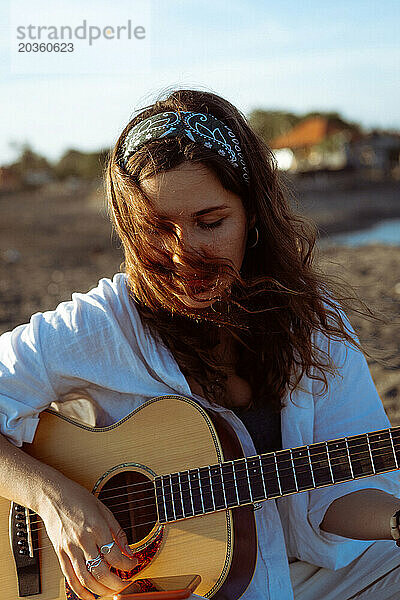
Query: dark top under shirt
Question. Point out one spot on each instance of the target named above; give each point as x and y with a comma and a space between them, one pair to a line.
263, 425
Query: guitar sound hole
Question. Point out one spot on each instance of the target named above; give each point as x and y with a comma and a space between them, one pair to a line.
131, 498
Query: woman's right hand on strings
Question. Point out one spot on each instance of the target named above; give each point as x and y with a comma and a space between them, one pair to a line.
78, 524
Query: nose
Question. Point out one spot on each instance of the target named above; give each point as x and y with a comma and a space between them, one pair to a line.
190, 242
187, 241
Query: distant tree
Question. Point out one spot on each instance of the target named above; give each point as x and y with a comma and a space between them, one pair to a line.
85, 165
271, 123
328, 115
29, 161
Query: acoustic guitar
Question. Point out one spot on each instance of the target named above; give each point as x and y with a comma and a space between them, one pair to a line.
176, 479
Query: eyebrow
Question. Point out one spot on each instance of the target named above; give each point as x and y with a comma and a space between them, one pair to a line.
207, 210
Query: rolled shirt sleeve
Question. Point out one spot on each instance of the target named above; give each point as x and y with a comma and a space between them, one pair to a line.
67, 348
55, 352
25, 389
351, 406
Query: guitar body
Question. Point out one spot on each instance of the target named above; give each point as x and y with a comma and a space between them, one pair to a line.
165, 435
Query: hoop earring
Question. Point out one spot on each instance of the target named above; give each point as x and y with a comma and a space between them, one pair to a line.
256, 242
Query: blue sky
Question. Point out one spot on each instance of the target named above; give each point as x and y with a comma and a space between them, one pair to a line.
298, 56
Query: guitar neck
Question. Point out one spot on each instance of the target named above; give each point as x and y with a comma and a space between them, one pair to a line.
276, 474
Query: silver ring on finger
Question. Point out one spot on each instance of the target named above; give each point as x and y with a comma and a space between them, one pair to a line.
106, 548
94, 562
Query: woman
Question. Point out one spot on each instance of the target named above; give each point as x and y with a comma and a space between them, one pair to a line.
219, 302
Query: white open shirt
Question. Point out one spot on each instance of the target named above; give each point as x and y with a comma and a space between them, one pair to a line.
96, 341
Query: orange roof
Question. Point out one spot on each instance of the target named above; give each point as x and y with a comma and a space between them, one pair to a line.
309, 132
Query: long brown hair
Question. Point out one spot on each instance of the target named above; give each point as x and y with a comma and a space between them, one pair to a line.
278, 299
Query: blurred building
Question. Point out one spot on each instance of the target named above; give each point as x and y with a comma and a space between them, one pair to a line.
313, 144
319, 144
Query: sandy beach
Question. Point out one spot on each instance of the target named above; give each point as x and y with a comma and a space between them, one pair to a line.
54, 242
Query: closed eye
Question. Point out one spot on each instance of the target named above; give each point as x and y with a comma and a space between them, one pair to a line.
210, 225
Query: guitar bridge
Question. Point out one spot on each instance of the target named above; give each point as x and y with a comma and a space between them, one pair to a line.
24, 544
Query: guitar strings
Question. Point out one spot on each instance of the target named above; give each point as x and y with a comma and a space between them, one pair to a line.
148, 486
154, 521
326, 454
168, 495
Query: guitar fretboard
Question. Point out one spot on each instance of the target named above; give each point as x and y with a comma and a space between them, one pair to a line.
257, 478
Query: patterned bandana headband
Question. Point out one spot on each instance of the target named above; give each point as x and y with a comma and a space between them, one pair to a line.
198, 127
